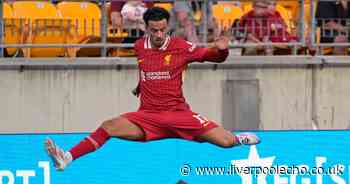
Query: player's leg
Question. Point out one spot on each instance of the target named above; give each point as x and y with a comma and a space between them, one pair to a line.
119, 127
218, 136
221, 137
122, 128
193, 126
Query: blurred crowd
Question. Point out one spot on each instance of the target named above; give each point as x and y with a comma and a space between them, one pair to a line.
262, 23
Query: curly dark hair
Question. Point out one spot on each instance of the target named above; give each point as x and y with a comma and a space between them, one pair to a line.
156, 14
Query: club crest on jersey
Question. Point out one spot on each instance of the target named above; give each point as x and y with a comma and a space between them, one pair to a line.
167, 59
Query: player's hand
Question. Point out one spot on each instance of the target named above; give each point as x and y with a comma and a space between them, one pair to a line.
136, 91
223, 41
252, 38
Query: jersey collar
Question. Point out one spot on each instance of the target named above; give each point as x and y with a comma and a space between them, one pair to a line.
148, 45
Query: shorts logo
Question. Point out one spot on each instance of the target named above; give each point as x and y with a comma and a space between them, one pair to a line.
202, 120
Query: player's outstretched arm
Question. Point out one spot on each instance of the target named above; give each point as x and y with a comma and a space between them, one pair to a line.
221, 43
218, 51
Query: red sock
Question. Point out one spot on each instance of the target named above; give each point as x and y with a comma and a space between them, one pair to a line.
90, 143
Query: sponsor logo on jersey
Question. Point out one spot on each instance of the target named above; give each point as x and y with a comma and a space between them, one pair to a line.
164, 75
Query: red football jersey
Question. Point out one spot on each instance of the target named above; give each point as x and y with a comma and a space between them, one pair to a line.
271, 25
161, 70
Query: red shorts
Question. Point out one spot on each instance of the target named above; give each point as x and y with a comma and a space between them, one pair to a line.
170, 124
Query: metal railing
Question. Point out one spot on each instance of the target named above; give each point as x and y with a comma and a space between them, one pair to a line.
105, 44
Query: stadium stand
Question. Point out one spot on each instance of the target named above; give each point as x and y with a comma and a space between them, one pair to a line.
79, 22
225, 14
291, 6
86, 17
86, 21
43, 25
287, 14
167, 6
12, 32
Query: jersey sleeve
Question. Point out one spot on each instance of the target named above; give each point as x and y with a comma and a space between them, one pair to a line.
198, 54
138, 47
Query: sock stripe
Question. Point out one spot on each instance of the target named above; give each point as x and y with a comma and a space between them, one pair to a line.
96, 145
90, 143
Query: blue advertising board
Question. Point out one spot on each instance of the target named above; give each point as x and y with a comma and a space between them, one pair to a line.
283, 157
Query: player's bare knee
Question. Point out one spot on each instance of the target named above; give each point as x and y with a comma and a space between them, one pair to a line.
108, 126
111, 126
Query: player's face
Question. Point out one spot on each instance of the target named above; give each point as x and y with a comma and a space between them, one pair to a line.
260, 9
157, 31
271, 7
